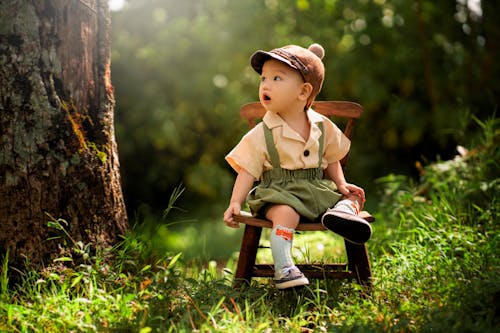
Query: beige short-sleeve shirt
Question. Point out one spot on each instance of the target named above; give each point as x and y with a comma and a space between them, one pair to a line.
294, 152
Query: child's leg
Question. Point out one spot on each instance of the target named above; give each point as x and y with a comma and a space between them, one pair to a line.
343, 219
285, 219
281, 246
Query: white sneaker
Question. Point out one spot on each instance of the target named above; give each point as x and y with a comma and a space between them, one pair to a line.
289, 277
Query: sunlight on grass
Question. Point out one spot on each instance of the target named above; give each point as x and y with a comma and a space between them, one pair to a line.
208, 240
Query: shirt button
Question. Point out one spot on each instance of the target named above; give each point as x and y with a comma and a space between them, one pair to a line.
306, 153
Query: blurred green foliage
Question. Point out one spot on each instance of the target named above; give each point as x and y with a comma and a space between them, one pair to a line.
181, 71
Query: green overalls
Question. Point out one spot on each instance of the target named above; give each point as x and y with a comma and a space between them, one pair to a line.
305, 190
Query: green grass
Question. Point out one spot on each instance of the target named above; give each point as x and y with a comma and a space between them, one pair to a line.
434, 253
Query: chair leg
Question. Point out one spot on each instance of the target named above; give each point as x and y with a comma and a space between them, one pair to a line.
248, 253
359, 262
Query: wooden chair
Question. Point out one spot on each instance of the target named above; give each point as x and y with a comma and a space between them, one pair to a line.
358, 262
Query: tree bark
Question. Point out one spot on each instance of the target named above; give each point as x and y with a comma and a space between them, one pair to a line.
58, 155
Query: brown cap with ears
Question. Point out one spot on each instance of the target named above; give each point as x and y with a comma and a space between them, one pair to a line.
306, 61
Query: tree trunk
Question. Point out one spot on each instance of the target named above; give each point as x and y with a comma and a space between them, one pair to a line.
58, 155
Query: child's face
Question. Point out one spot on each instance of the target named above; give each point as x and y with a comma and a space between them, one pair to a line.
281, 87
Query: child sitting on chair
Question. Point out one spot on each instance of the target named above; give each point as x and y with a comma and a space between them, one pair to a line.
289, 153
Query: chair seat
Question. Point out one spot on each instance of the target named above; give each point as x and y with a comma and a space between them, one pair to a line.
248, 219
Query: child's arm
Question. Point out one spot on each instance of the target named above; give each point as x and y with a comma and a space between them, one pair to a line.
242, 185
335, 172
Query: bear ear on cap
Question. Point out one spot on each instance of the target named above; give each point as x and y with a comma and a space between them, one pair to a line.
317, 49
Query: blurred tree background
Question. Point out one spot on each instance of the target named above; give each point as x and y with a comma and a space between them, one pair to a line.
420, 68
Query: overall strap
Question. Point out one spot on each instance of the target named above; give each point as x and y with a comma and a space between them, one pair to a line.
321, 144
271, 148
273, 153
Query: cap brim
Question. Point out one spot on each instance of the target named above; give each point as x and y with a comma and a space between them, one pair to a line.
260, 57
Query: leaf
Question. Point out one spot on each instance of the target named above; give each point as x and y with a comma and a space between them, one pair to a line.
145, 268
63, 259
145, 283
174, 260
76, 280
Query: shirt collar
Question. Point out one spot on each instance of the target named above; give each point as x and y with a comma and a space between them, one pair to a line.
273, 120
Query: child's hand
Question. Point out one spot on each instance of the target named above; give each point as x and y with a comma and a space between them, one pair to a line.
234, 208
351, 189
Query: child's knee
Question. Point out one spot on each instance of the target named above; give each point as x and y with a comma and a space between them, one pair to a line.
283, 215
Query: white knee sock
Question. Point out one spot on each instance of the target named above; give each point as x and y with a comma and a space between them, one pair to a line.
281, 246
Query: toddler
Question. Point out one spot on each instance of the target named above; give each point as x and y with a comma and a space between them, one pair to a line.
294, 154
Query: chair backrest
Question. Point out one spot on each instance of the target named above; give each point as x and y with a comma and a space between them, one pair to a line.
341, 109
